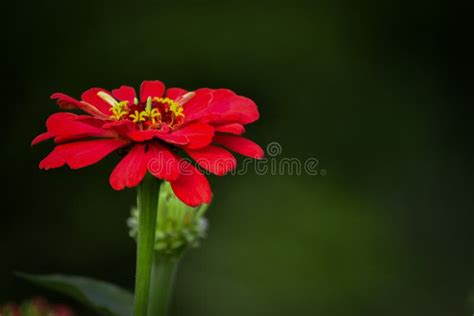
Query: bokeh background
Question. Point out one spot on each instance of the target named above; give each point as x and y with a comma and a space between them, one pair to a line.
380, 92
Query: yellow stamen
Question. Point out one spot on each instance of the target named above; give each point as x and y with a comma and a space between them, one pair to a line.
144, 115
155, 116
119, 110
174, 106
134, 117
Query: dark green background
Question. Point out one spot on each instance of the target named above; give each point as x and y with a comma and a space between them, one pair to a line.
380, 92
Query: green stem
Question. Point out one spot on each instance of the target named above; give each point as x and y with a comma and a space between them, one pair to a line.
162, 281
148, 192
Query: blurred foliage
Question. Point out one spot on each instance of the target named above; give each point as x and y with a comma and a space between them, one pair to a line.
35, 307
379, 92
104, 298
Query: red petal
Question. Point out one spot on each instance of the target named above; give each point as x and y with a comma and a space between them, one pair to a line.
55, 159
125, 93
198, 103
91, 96
69, 126
240, 145
66, 102
234, 128
162, 163
80, 154
131, 169
240, 106
195, 135
214, 159
198, 134
122, 127
174, 93
41, 138
177, 139
224, 106
152, 89
192, 186
141, 136
61, 116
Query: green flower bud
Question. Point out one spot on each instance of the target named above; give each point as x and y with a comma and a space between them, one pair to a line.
178, 227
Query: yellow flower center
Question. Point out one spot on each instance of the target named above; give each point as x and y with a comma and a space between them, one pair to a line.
150, 115
119, 110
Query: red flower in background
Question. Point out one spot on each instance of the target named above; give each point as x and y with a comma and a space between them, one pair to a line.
35, 307
152, 130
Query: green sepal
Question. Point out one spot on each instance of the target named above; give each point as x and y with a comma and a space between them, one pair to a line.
179, 226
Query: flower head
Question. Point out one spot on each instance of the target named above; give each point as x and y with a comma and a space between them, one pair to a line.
153, 130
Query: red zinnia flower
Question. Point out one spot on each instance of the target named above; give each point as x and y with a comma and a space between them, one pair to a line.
152, 130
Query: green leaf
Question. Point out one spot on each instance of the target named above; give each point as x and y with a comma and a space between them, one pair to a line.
105, 298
